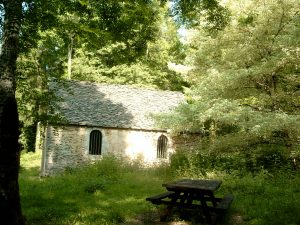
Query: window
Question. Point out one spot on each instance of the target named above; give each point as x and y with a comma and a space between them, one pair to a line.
162, 147
95, 142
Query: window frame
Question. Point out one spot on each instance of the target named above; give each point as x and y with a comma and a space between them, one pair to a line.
162, 147
95, 142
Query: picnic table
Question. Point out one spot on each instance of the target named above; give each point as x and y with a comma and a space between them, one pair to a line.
194, 194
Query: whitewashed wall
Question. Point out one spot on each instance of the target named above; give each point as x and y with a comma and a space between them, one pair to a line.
68, 146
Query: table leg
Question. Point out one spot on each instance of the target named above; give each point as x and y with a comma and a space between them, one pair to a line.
166, 213
168, 210
205, 209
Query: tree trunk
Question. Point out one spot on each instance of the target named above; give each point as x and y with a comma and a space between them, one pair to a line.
70, 53
10, 208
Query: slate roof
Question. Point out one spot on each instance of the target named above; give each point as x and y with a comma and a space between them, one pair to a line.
114, 106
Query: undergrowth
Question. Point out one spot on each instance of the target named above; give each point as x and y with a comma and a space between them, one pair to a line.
113, 192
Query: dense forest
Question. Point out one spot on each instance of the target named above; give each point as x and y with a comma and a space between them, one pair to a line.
237, 62
244, 95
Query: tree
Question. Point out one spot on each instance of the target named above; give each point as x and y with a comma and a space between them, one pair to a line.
35, 68
116, 37
10, 208
78, 42
111, 42
113, 61
209, 14
246, 82
44, 15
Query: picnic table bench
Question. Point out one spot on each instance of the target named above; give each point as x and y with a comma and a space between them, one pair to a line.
194, 194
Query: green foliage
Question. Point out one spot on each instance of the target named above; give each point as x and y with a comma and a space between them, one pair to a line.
245, 96
117, 31
89, 196
34, 69
109, 42
128, 22
210, 14
111, 62
111, 191
264, 157
265, 200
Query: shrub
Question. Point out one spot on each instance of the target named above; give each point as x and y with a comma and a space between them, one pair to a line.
265, 157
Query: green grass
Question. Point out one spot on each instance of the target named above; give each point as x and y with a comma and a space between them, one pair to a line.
106, 193
114, 192
265, 199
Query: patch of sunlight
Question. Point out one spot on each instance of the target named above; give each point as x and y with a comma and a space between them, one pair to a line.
103, 203
130, 199
86, 217
215, 175
211, 175
31, 160
99, 193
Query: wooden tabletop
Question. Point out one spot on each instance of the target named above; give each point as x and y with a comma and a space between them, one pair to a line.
193, 185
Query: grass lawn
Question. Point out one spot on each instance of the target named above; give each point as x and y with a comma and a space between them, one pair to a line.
112, 192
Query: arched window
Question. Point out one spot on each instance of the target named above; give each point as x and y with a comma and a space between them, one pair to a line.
95, 142
162, 147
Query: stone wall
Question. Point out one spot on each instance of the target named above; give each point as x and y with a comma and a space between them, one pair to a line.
68, 146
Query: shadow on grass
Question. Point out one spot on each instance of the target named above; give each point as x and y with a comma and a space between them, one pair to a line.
109, 194
83, 198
